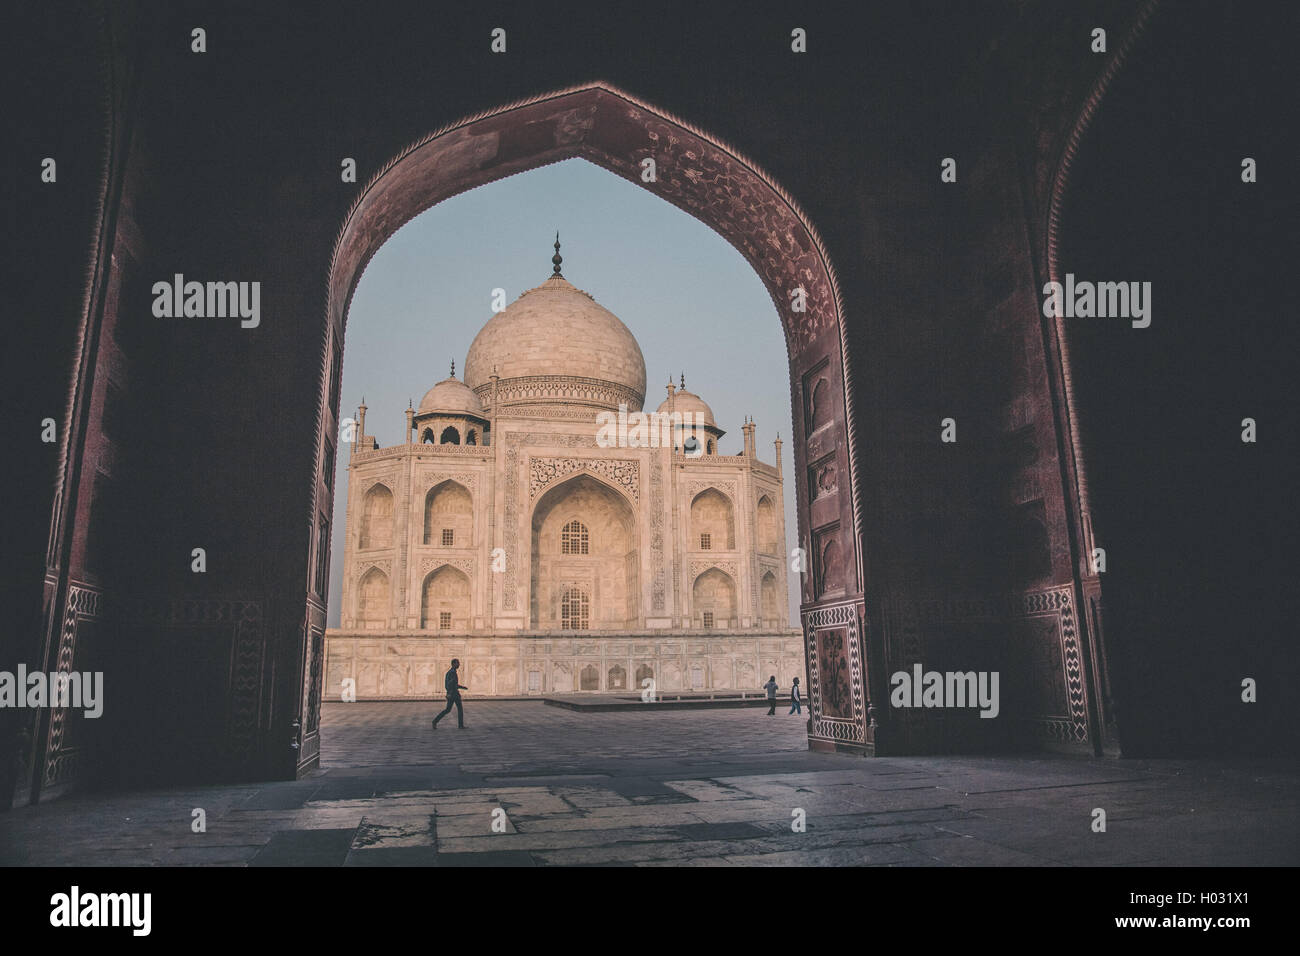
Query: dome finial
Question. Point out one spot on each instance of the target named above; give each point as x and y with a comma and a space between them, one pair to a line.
683, 381
557, 258
453, 368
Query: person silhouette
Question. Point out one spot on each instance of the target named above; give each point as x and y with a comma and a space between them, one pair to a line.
796, 705
454, 687
770, 687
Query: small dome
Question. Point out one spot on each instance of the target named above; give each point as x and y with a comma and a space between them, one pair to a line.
688, 403
453, 397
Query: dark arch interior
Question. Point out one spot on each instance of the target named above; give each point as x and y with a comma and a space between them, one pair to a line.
938, 290
1197, 525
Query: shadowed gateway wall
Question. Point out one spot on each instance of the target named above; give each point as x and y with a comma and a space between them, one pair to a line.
184, 434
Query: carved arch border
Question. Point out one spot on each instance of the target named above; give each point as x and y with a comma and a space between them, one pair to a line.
628, 499
701, 568
539, 489
1090, 630
1061, 181
700, 174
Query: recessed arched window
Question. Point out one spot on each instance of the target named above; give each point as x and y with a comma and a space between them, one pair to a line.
376, 519
372, 597
471, 438
449, 436
712, 514
710, 447
767, 537
574, 538
575, 610
771, 612
427, 438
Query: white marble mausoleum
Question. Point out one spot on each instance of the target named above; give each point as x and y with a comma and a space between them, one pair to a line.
544, 528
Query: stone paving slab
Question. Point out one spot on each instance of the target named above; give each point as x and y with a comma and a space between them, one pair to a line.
305, 848
670, 788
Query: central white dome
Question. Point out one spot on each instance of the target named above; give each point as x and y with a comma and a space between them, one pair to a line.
556, 345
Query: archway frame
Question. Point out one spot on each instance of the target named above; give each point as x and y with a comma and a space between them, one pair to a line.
721, 187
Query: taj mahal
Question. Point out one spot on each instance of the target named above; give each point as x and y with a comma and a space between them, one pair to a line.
524, 528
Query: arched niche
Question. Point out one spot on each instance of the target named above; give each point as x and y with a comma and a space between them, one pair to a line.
445, 600
713, 522
376, 519
449, 516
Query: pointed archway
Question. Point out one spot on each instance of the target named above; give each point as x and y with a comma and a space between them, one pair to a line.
732, 195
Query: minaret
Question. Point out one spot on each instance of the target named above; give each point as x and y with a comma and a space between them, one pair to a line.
777, 444
361, 426
748, 429
410, 414
671, 428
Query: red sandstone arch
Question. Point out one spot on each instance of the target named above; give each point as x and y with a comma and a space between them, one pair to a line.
729, 193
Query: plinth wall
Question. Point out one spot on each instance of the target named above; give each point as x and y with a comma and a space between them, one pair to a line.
395, 666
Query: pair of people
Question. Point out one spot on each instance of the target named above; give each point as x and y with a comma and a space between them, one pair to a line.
454, 687
795, 703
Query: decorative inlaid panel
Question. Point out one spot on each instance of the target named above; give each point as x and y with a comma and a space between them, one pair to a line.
63, 761
658, 581
434, 561
833, 670
560, 390
623, 472
384, 565
727, 487
833, 663
431, 479
699, 567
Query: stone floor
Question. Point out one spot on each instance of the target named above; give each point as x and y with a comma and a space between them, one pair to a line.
688, 788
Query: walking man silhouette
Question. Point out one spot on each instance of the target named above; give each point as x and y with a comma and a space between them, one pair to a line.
770, 687
454, 687
795, 703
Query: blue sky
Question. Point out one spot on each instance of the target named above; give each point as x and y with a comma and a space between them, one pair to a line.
691, 300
